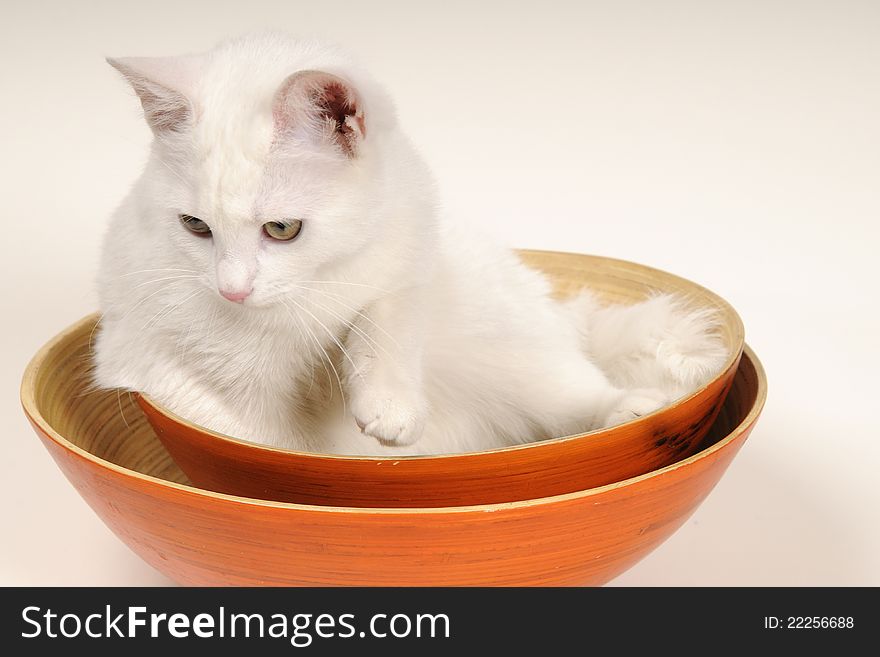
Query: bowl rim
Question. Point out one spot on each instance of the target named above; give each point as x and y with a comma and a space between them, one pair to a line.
29, 404
733, 357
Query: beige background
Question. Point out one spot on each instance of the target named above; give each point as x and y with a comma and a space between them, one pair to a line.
734, 143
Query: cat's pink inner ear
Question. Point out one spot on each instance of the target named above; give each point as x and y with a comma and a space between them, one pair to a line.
323, 106
164, 86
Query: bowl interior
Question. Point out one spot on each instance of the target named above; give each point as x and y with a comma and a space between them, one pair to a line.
106, 423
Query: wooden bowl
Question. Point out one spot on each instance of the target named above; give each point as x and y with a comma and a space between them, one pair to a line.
563, 465
106, 448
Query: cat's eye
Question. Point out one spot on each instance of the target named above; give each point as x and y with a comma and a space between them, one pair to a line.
195, 225
283, 231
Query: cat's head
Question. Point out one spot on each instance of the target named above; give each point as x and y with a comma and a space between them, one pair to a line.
267, 167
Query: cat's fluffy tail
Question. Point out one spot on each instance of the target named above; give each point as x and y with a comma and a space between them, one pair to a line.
663, 342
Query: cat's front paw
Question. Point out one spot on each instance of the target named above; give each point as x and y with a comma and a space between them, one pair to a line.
393, 417
634, 404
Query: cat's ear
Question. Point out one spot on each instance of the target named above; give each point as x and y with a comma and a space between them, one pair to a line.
164, 85
322, 107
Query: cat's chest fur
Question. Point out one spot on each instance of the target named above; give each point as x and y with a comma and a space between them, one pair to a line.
265, 375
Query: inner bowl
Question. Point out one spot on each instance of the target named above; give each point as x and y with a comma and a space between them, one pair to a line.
108, 451
221, 463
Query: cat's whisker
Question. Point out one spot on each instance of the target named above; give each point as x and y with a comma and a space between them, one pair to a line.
161, 269
336, 298
167, 310
335, 314
121, 412
211, 323
311, 378
324, 351
297, 323
338, 344
371, 342
166, 278
302, 336
148, 297
372, 287
332, 337
182, 340
92, 332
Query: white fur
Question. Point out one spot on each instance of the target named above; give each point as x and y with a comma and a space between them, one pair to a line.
439, 341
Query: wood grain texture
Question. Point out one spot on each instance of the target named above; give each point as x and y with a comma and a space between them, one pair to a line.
219, 463
107, 449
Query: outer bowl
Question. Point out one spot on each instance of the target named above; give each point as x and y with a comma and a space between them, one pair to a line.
563, 465
108, 451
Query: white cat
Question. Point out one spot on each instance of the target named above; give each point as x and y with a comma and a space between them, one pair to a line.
279, 273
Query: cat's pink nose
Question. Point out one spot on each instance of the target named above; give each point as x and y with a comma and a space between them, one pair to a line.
236, 295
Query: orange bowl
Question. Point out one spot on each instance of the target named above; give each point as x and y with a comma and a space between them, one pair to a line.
107, 449
552, 467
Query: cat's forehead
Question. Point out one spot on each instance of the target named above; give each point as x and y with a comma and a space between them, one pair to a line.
232, 142
241, 178
230, 171
239, 171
